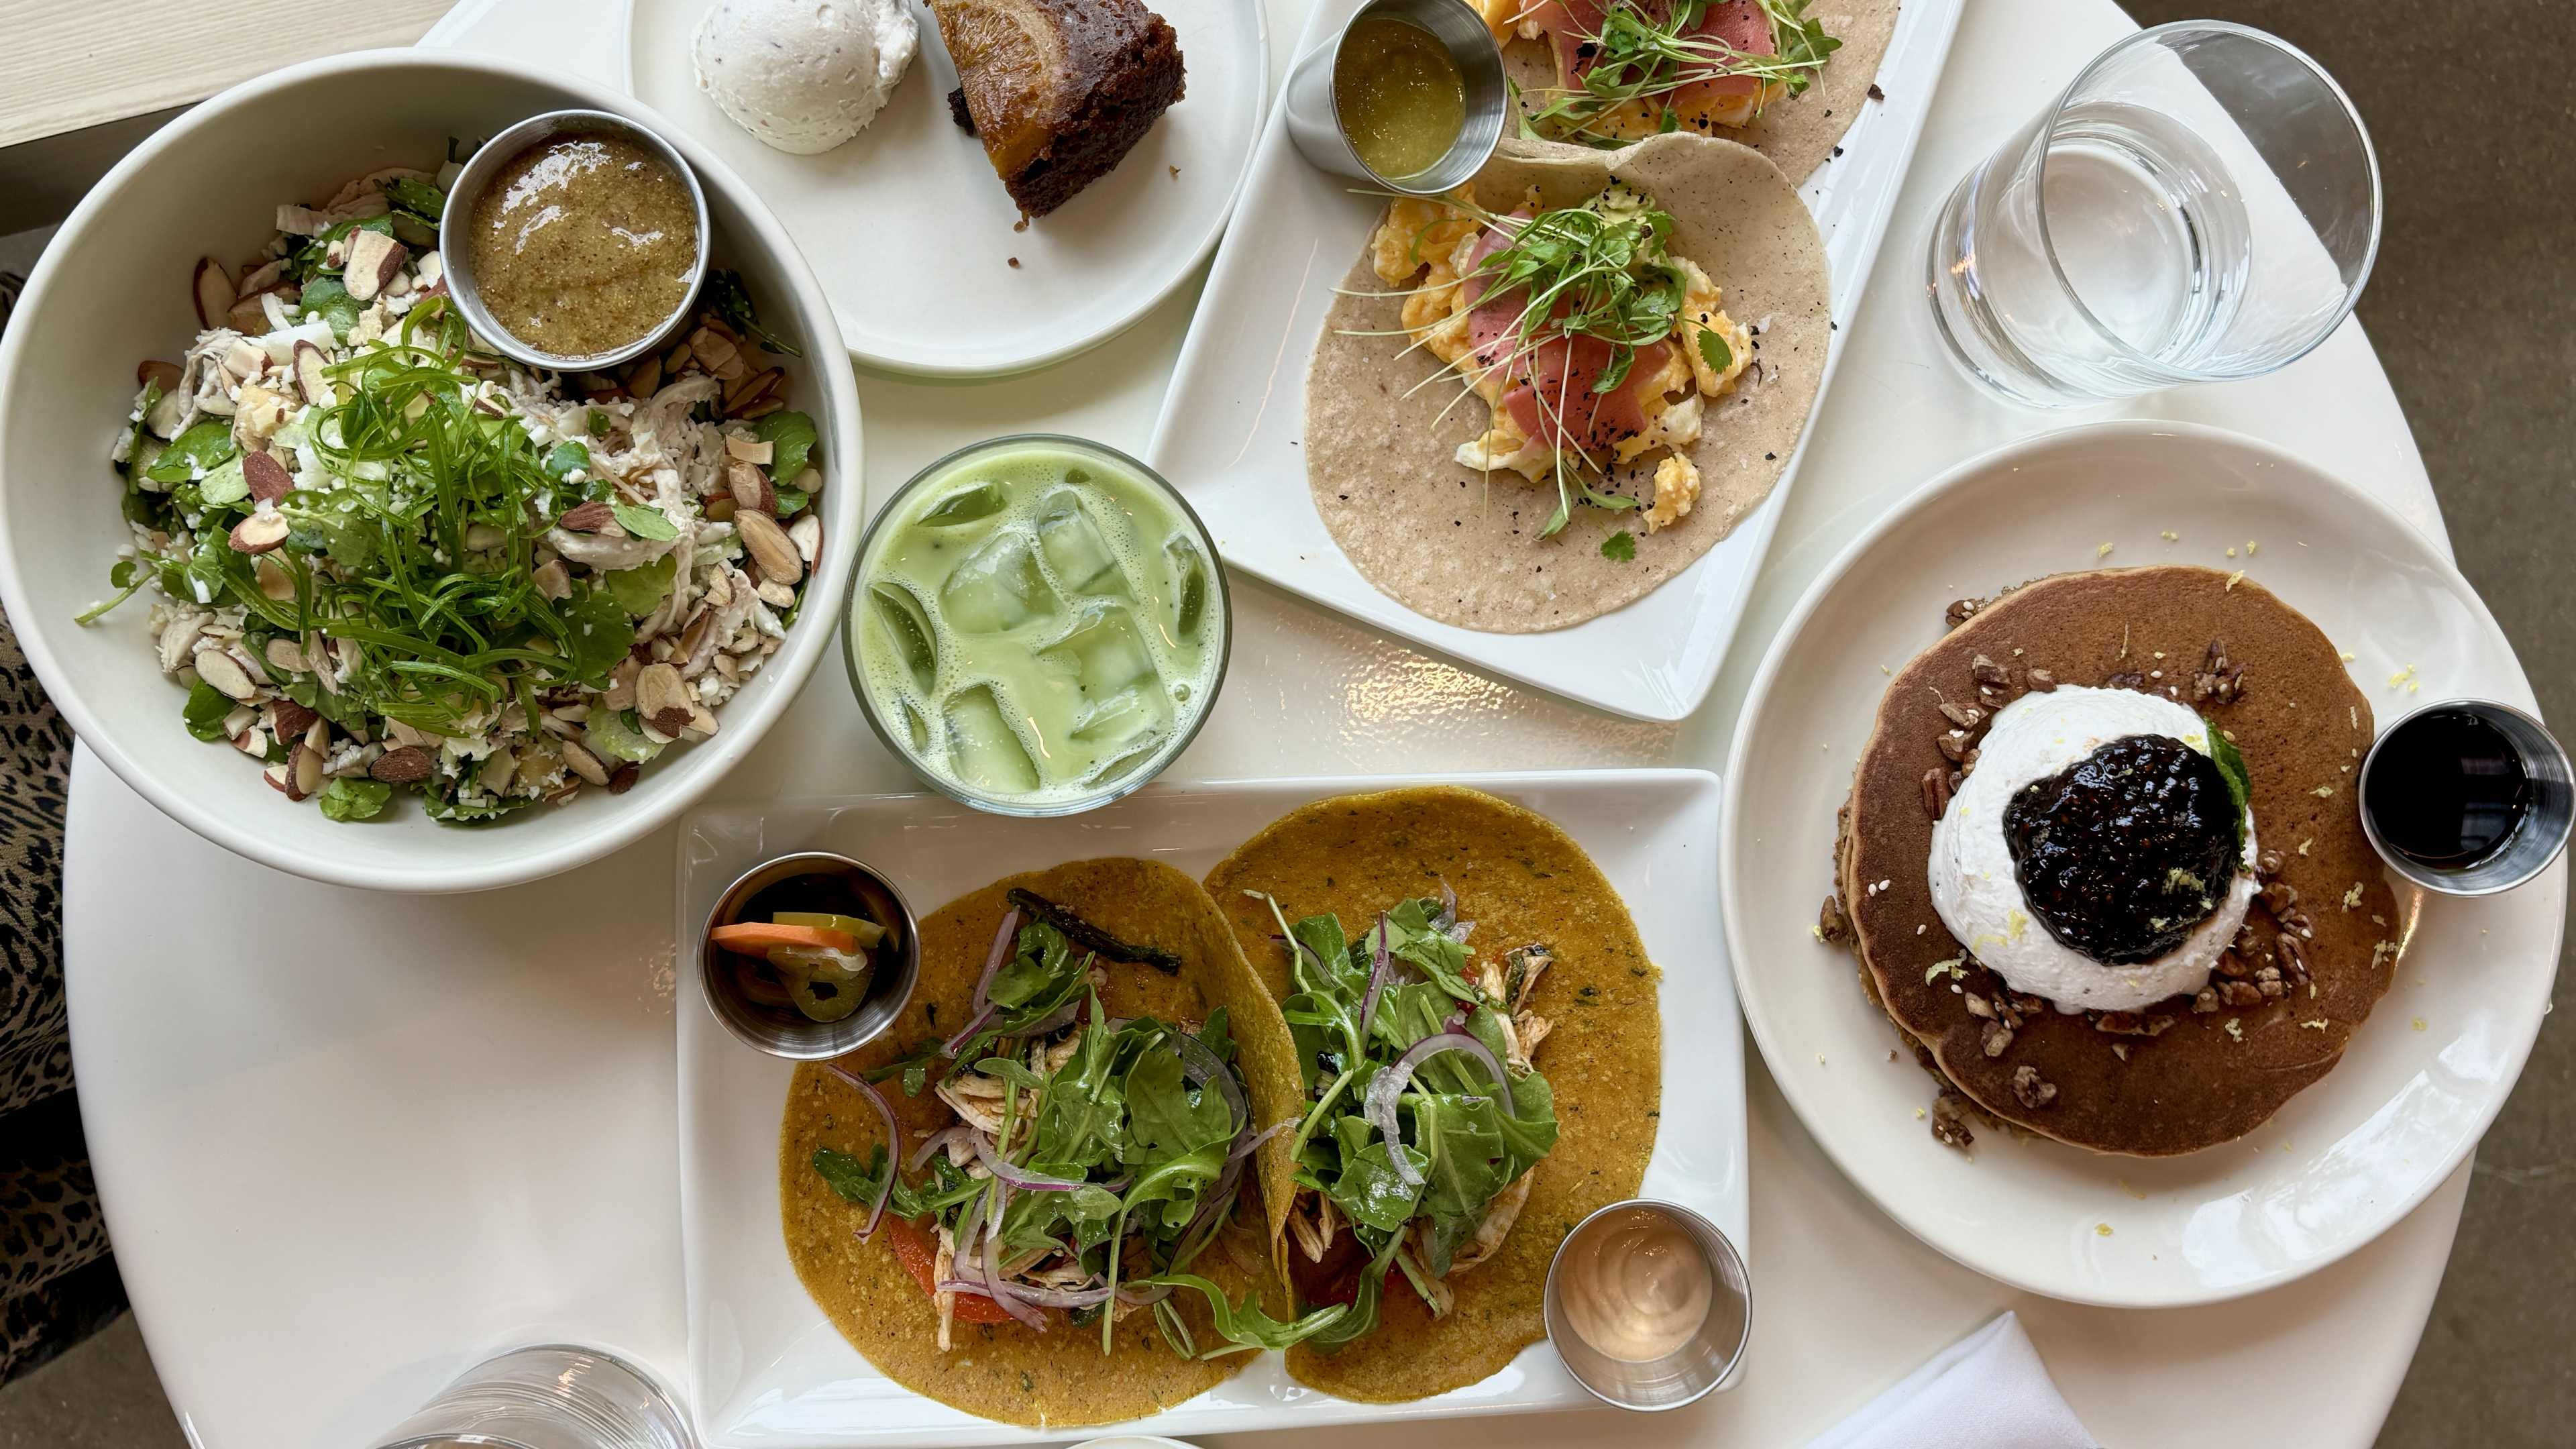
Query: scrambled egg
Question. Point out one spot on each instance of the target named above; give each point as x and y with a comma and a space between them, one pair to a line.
1676, 489
1637, 119
1431, 242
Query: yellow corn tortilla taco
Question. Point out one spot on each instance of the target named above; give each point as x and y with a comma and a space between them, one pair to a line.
1485, 466
1005, 1370
1586, 1018
1793, 113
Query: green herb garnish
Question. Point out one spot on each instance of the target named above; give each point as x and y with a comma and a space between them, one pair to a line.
729, 299
2240, 787
1621, 546
1649, 54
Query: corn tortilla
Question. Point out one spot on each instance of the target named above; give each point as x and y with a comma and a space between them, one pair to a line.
1521, 880
1462, 546
1009, 1372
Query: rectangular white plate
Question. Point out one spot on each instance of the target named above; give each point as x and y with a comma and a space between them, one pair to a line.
1231, 425
766, 1371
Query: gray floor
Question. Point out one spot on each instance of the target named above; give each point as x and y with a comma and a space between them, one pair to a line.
2473, 309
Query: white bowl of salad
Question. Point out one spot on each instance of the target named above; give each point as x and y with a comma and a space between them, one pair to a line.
338, 587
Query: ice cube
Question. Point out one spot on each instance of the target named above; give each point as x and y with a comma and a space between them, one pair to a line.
900, 615
1135, 753
1140, 708
974, 501
1103, 653
1189, 587
996, 587
983, 749
1074, 548
914, 726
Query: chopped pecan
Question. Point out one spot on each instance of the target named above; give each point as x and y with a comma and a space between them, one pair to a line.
2130, 1023
2240, 993
2031, 1089
1936, 792
2041, 680
1987, 671
2126, 679
1998, 1037
1963, 716
1950, 1113
1831, 923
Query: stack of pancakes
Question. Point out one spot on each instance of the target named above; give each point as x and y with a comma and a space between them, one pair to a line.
2184, 1074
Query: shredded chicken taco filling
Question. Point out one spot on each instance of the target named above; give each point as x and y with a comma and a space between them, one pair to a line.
1426, 1117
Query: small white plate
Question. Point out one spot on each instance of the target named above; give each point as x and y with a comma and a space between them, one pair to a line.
2422, 1078
767, 1371
913, 236
1232, 424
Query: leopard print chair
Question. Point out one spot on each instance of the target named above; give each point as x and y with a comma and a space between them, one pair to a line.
57, 1281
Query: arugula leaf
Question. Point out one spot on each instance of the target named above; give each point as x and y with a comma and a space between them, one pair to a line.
448, 810
641, 589
422, 199
599, 633
205, 711
1621, 546
135, 460
1244, 1326
1163, 1118
224, 486
346, 798
328, 298
206, 445
791, 501
726, 296
644, 522
791, 438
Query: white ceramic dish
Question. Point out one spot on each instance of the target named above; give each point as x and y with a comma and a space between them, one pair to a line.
114, 289
2346, 1158
914, 236
766, 1371
1230, 430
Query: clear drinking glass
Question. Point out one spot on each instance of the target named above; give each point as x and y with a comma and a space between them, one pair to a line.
2201, 204
550, 1396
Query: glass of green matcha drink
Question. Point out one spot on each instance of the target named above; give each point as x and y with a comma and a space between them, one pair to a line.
1038, 625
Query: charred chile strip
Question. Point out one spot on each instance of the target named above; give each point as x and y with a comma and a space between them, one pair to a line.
1090, 937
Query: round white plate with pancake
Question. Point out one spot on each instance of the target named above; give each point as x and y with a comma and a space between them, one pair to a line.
913, 236
2423, 1076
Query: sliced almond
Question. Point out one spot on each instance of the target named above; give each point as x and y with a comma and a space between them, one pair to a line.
246, 315
374, 258
776, 595
662, 698
810, 481
761, 409
643, 380
179, 641
743, 447
286, 656
214, 291
317, 736
309, 380
620, 693
252, 742
587, 518
152, 370
585, 764
275, 583
721, 508
770, 548
702, 722
553, 580
401, 766
265, 275
753, 389
225, 673
269, 481
715, 353
245, 359
259, 533
750, 488
277, 777
291, 718
807, 534
624, 779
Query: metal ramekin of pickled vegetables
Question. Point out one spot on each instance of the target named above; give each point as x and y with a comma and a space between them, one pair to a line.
1038, 625
809, 956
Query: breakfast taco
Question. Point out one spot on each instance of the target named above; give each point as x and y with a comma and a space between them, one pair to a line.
1478, 1054
1786, 77
1033, 1199
1546, 393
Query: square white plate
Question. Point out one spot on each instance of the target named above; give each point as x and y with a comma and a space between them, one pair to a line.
767, 1371
1230, 429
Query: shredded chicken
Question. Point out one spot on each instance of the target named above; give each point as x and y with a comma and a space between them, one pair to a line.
943, 1266
1499, 1217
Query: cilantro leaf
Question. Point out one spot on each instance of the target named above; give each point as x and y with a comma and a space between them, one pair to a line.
1714, 351
1621, 546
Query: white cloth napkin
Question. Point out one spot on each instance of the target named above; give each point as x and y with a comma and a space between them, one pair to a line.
1987, 1391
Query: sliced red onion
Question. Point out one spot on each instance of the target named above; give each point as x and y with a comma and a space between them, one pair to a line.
1203, 1068
1009, 1295
1249, 1145
937, 1140
1377, 979
1089, 1297
955, 1044
983, 1003
1390, 1084
1011, 1173
1144, 1297
894, 1142
1448, 907
1056, 1021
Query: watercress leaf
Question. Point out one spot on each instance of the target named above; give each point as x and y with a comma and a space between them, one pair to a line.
598, 633
225, 486
203, 447
1621, 546
205, 710
422, 199
644, 522
640, 590
328, 298
791, 439
565, 459
347, 798
791, 501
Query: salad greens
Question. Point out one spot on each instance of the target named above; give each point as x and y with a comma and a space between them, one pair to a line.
1360, 1009
1114, 1152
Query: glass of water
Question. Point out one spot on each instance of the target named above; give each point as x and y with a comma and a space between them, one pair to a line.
2201, 204
550, 1396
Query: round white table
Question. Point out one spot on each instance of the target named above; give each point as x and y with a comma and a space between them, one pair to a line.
337, 1174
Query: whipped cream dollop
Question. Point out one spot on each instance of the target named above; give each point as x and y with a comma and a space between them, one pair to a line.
803, 75
1979, 896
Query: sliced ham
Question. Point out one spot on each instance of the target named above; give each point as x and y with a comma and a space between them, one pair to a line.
1547, 388
1570, 24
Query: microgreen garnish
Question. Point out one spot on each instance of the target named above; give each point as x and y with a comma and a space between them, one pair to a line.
1647, 50
729, 299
